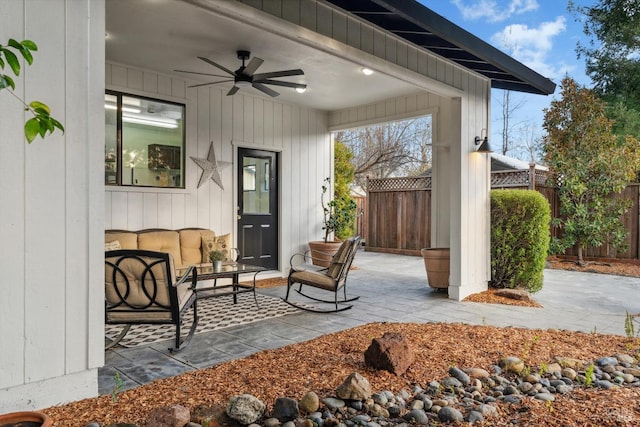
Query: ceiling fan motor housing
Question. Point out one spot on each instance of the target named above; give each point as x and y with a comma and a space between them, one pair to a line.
243, 55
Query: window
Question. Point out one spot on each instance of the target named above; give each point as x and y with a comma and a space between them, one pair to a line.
144, 142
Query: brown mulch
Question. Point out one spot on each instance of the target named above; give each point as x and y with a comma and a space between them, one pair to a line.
323, 363
618, 268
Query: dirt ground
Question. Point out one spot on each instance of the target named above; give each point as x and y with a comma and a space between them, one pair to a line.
322, 364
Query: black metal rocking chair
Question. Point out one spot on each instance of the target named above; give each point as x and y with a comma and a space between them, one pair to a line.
332, 278
141, 288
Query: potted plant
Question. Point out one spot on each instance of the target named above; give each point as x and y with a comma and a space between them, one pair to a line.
216, 257
436, 262
35, 419
338, 215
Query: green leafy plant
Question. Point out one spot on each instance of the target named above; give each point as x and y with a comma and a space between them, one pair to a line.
629, 327
588, 375
519, 238
543, 369
217, 255
117, 387
41, 122
528, 346
337, 213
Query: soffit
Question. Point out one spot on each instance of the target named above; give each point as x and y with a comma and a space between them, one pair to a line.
421, 26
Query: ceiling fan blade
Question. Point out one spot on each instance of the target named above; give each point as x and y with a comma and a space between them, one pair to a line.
202, 74
283, 73
252, 66
233, 90
208, 61
211, 83
279, 83
265, 89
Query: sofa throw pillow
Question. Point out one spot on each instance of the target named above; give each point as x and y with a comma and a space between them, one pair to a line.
208, 244
216, 243
112, 246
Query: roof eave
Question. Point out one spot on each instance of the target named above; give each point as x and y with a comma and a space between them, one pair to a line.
417, 14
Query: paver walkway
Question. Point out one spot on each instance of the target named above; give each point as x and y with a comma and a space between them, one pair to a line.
393, 288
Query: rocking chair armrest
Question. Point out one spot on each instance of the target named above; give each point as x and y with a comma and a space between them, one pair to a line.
190, 273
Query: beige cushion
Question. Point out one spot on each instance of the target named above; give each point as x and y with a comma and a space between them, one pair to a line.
315, 279
191, 245
219, 243
339, 259
127, 239
112, 246
162, 241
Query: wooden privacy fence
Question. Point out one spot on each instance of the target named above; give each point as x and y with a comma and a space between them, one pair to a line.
396, 216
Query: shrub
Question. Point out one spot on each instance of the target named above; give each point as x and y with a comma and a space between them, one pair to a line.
519, 238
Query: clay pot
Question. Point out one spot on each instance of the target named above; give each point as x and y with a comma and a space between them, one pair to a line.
436, 262
322, 252
25, 419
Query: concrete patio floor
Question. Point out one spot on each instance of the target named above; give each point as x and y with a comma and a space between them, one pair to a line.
392, 288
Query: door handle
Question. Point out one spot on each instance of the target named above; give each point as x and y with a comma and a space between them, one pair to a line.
239, 217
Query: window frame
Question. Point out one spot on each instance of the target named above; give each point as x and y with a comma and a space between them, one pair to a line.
119, 143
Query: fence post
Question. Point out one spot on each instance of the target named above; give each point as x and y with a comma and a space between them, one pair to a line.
532, 176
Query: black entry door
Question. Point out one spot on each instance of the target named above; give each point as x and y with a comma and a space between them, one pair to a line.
258, 207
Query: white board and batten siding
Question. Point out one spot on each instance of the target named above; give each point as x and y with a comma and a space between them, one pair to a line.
299, 135
51, 318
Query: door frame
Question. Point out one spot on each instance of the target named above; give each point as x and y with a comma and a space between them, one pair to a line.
236, 145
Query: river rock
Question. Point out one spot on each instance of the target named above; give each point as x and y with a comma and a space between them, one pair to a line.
245, 408
355, 387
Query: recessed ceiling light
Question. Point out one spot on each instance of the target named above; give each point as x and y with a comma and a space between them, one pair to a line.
366, 71
301, 89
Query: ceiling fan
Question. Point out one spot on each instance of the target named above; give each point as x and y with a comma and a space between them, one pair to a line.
245, 77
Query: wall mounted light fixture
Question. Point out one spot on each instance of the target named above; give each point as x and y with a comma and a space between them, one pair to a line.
482, 142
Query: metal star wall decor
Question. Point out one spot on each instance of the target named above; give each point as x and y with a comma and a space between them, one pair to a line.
210, 168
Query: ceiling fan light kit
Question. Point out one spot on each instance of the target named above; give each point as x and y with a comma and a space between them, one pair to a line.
245, 76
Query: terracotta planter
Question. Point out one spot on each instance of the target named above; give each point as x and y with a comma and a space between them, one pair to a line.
322, 252
25, 419
436, 262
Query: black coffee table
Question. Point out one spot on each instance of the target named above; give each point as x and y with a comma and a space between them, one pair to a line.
231, 271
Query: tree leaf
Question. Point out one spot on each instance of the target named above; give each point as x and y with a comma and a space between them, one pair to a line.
28, 44
40, 106
6, 81
12, 60
31, 129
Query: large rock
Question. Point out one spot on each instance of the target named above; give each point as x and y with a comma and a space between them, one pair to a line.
169, 416
355, 387
391, 353
245, 408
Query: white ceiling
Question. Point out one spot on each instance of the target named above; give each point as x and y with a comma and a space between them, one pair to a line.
165, 35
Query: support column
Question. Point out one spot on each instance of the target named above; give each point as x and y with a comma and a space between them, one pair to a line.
460, 197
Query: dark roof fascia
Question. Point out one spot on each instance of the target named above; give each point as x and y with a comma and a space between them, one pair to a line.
423, 17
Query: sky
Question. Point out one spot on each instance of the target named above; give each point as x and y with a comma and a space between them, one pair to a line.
542, 34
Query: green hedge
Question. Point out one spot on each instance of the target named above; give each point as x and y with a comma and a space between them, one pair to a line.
519, 238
